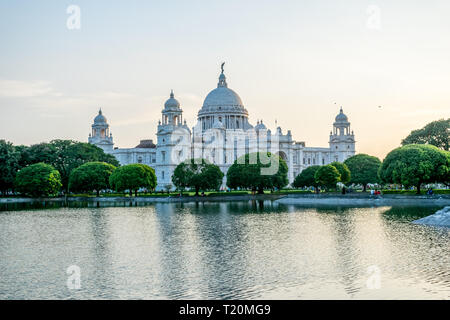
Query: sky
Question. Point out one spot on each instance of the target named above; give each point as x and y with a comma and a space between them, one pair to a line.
387, 63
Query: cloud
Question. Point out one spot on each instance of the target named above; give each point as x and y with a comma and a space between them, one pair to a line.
111, 95
26, 89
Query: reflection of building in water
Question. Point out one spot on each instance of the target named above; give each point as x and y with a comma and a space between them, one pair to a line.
222, 134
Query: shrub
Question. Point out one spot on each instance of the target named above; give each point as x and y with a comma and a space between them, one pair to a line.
91, 176
38, 180
133, 177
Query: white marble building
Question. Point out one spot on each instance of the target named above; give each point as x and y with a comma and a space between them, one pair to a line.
221, 135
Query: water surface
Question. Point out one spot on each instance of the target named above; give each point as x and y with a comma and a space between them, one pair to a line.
228, 250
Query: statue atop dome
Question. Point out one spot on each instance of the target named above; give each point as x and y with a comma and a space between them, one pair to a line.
221, 67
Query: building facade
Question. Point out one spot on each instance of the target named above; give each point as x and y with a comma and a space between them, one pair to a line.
221, 135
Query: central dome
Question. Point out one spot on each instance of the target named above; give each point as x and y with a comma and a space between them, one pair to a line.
223, 109
223, 100
222, 97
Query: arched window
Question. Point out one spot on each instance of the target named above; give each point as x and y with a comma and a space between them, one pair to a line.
162, 175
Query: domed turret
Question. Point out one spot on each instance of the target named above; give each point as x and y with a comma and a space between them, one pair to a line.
100, 135
172, 103
342, 139
172, 113
341, 117
100, 118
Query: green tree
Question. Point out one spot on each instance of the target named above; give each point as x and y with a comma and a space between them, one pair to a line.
343, 170
38, 180
133, 177
306, 178
258, 171
436, 133
9, 165
363, 169
91, 176
327, 176
65, 156
182, 175
197, 174
415, 164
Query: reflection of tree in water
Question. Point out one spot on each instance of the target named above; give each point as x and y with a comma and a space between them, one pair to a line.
173, 241
334, 210
199, 244
101, 265
235, 207
212, 255
419, 251
347, 255
35, 205
409, 213
223, 249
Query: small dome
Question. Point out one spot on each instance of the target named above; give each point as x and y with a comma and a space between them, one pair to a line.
172, 103
100, 118
341, 117
260, 126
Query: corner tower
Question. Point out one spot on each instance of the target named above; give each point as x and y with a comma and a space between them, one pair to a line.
174, 141
342, 140
100, 135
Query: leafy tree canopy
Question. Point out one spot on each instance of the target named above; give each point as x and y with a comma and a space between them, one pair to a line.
9, 165
38, 180
327, 176
258, 171
133, 177
363, 169
436, 133
343, 170
65, 156
198, 174
415, 164
306, 178
91, 176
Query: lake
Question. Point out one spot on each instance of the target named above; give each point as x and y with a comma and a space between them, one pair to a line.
223, 250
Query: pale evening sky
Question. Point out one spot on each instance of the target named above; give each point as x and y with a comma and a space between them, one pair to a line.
293, 61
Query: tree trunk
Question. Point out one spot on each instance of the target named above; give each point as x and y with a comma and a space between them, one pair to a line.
418, 188
131, 193
365, 187
135, 193
260, 190
196, 191
98, 193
